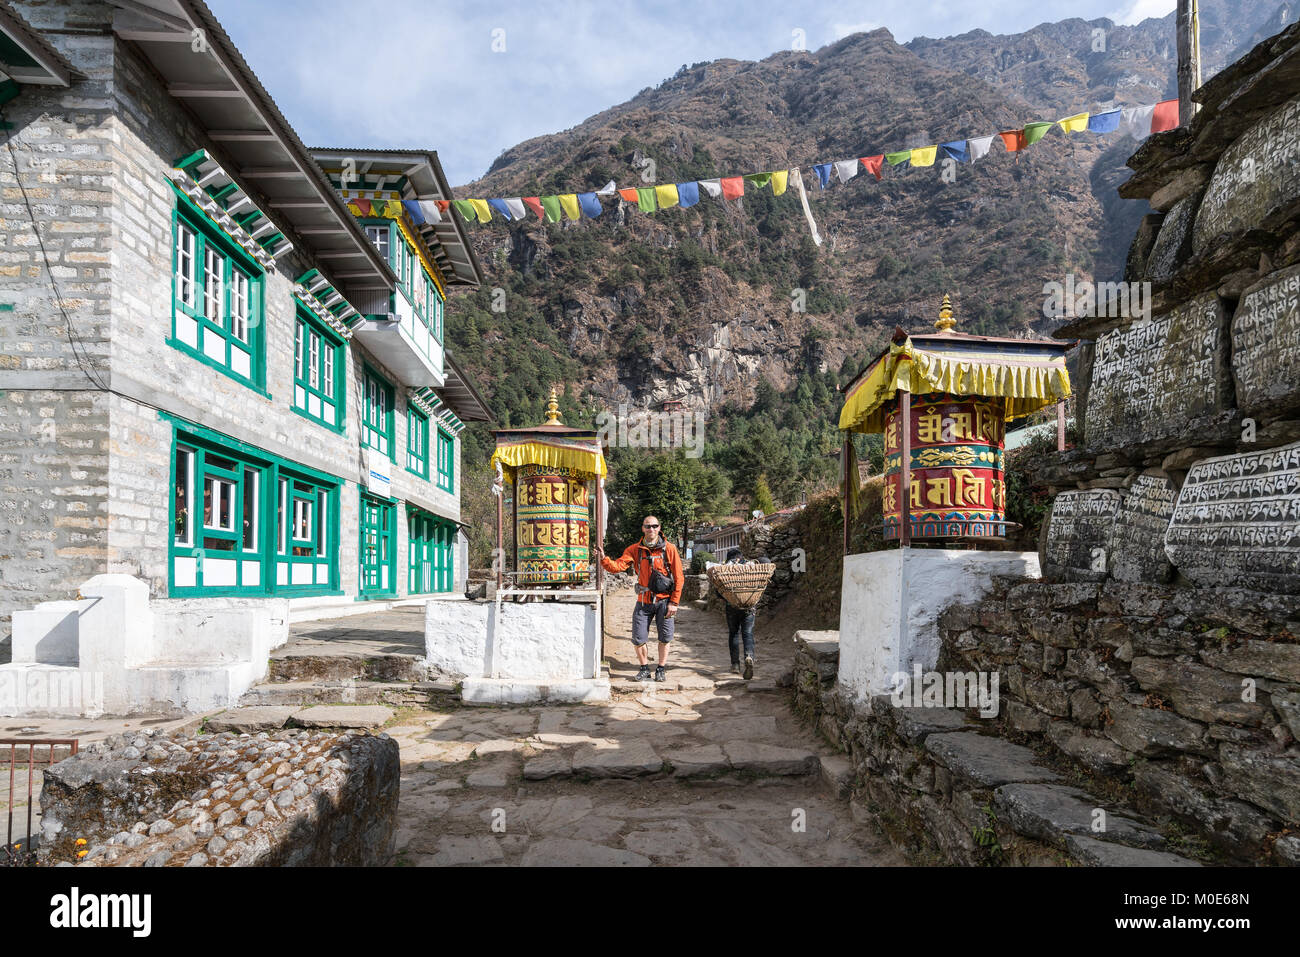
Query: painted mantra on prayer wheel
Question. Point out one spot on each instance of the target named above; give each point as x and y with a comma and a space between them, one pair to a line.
552, 525
957, 481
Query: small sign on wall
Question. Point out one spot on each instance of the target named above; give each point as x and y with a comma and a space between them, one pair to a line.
379, 473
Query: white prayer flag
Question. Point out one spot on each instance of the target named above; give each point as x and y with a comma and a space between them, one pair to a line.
979, 146
845, 170
712, 186
609, 189
1136, 121
517, 209
430, 210
797, 178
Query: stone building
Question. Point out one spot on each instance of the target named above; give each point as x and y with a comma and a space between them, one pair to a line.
223, 361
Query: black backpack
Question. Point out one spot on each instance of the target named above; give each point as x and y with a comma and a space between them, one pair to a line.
658, 582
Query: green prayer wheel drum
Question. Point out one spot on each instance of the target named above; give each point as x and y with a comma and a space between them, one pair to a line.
552, 525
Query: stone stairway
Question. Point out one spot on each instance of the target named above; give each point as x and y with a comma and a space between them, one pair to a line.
947, 788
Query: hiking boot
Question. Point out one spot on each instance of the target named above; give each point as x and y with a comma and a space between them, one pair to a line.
735, 666
659, 673
643, 674
749, 667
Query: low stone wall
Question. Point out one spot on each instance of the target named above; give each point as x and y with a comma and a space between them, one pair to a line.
295, 798
947, 789
1186, 699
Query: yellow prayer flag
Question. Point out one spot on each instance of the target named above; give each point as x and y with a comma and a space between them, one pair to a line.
482, 210
779, 179
1074, 124
924, 156
666, 195
569, 203
354, 209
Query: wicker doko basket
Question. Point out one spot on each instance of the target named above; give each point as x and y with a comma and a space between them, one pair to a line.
741, 585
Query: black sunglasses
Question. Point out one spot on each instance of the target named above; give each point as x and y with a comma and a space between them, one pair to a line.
649, 526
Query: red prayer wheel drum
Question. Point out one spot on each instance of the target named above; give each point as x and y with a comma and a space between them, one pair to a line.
552, 526
957, 479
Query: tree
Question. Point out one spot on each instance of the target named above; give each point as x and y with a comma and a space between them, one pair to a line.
678, 490
763, 496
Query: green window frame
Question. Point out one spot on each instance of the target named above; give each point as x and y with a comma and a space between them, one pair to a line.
415, 281
446, 461
229, 528
318, 372
377, 559
377, 414
417, 442
431, 553
217, 298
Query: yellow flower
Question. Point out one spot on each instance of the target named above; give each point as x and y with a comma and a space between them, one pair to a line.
82, 853
80, 841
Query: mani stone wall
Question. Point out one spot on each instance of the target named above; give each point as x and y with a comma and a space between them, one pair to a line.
295, 798
1189, 468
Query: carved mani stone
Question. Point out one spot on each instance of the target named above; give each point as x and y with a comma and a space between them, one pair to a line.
1237, 521
1138, 544
1156, 378
1266, 344
1078, 545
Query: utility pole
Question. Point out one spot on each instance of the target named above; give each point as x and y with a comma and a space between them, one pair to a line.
1189, 59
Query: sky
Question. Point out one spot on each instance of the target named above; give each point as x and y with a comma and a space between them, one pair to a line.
471, 79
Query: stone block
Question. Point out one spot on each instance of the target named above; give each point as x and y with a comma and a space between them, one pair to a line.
1266, 345
251, 720
1078, 540
342, 716
1158, 378
1048, 812
1198, 692
1150, 731
1237, 521
985, 761
1138, 543
628, 760
770, 759
1095, 853
1263, 778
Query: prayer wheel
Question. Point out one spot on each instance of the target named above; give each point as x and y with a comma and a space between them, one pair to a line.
958, 489
551, 524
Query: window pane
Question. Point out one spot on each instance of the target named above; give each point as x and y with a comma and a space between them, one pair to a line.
185, 290
212, 284
313, 359
279, 516
322, 512
250, 509
239, 305
181, 506
328, 373
297, 350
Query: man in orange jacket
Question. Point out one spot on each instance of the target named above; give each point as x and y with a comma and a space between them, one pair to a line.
659, 589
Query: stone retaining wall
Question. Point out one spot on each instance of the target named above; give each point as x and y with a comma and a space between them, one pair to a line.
295, 798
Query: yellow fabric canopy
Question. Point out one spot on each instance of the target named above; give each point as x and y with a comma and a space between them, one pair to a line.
550, 451
1027, 382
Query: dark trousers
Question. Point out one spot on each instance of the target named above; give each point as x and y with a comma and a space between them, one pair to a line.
740, 626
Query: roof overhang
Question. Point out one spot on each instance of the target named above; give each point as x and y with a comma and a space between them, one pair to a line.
459, 393
256, 142
415, 174
26, 57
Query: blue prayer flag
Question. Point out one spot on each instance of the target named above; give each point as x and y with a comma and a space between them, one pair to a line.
688, 194
957, 150
823, 171
412, 207
589, 205
499, 206
1104, 122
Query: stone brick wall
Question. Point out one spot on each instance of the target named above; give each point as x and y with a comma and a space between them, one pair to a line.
294, 799
1187, 702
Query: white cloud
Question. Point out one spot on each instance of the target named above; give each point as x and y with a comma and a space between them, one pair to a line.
1135, 11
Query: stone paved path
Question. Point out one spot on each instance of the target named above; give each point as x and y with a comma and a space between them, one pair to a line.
587, 784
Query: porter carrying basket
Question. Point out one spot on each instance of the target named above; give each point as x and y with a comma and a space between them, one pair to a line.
741, 585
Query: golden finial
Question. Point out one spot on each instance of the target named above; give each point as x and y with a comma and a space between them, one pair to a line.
553, 410
945, 320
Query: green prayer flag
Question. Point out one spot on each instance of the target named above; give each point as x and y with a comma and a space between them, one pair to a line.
1035, 132
552, 206
645, 199
758, 180
466, 209
896, 158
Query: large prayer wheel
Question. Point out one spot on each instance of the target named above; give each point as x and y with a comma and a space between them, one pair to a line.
551, 525
958, 489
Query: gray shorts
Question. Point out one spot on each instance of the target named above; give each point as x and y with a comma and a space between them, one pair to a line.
642, 615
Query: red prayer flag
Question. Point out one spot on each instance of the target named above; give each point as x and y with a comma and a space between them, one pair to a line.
442, 204
535, 204
1014, 140
873, 164
363, 205
1165, 117
733, 187
628, 194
